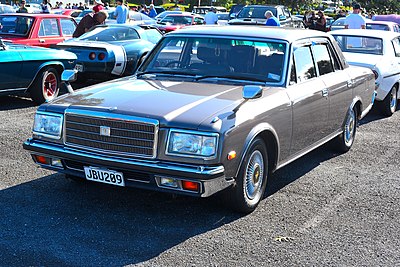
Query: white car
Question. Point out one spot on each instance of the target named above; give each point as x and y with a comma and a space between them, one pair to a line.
379, 51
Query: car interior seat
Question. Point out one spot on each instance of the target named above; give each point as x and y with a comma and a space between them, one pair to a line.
214, 59
242, 58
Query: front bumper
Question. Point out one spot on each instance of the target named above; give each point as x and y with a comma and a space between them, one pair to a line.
137, 172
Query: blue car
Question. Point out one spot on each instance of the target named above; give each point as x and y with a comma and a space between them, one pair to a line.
111, 51
33, 70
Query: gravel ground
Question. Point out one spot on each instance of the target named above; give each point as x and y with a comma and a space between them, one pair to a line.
325, 209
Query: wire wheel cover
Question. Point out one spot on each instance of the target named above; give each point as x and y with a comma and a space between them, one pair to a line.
254, 175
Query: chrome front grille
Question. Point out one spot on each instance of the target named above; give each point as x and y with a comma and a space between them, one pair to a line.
112, 133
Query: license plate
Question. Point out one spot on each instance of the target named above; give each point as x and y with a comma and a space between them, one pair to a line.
104, 176
79, 67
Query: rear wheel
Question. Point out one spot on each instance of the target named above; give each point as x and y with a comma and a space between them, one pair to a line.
346, 139
46, 86
252, 180
389, 104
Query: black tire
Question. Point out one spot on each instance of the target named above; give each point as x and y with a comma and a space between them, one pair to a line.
389, 104
250, 185
345, 140
46, 86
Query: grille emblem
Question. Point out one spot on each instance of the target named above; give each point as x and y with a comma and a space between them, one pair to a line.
105, 131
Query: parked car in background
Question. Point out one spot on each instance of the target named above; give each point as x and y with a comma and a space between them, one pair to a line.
44, 30
223, 18
162, 15
393, 17
383, 26
379, 51
68, 12
110, 51
33, 70
211, 109
202, 10
255, 14
173, 22
6, 9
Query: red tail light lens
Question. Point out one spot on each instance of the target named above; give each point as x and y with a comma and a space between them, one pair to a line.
92, 56
101, 56
191, 186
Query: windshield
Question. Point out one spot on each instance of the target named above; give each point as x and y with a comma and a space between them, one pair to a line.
177, 20
360, 44
256, 12
106, 34
15, 25
218, 57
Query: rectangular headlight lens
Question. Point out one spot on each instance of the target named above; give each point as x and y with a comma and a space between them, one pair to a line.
192, 144
48, 125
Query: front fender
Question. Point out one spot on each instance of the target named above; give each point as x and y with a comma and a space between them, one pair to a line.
55, 64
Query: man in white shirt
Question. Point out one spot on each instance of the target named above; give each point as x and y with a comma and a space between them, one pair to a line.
355, 20
211, 18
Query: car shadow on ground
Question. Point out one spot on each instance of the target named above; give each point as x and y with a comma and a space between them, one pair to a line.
54, 221
15, 102
375, 114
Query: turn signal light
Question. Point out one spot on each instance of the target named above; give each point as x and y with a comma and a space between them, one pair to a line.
92, 56
41, 159
190, 186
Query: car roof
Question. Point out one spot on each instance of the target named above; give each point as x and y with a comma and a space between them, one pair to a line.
382, 22
367, 33
287, 34
43, 15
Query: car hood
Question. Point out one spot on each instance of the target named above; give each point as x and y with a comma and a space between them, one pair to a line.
362, 59
173, 103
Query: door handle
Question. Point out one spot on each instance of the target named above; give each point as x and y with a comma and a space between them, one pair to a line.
42, 40
325, 92
350, 83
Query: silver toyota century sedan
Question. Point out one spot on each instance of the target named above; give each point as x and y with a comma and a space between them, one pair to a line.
211, 109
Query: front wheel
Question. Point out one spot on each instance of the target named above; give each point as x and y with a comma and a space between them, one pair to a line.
389, 104
250, 185
46, 86
346, 139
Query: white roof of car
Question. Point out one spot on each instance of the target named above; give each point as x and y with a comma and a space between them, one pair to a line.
367, 33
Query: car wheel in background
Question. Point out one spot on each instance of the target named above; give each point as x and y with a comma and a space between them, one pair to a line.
250, 185
46, 86
345, 140
389, 104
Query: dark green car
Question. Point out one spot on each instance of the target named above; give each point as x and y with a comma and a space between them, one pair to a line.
33, 70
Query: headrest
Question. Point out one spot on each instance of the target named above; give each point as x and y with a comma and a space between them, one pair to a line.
208, 54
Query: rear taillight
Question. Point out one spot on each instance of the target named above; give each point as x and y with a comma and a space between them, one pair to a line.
101, 56
92, 56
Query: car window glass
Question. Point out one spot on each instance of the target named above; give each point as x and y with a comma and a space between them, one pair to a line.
152, 35
243, 59
15, 25
292, 73
360, 44
67, 26
396, 46
305, 68
322, 58
48, 27
199, 21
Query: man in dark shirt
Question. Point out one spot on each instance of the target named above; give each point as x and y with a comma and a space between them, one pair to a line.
88, 21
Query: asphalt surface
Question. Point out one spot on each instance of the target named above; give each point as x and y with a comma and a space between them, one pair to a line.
325, 209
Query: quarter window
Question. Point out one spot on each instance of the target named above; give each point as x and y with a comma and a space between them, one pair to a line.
396, 46
304, 64
67, 26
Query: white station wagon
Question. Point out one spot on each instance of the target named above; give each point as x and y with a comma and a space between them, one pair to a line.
379, 51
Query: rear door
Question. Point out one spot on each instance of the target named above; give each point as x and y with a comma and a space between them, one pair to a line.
10, 69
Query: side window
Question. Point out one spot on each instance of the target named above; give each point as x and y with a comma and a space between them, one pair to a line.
396, 46
292, 73
198, 21
322, 58
49, 27
67, 26
304, 64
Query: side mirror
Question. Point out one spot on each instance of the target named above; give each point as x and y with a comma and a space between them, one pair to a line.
69, 75
252, 91
282, 17
232, 16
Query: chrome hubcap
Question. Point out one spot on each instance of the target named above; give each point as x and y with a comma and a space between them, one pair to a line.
50, 85
254, 175
349, 128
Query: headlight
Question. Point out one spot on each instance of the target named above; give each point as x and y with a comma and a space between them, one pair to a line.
192, 144
48, 125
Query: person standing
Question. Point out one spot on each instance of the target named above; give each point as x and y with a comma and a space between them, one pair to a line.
121, 12
152, 12
271, 19
98, 6
321, 22
312, 21
22, 8
45, 7
211, 17
88, 21
355, 20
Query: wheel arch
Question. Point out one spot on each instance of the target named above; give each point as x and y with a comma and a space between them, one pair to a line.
54, 64
268, 134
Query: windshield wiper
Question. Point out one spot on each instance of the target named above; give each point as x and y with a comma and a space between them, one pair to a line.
163, 72
231, 77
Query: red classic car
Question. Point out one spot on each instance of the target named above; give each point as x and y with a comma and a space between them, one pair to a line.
173, 22
44, 30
